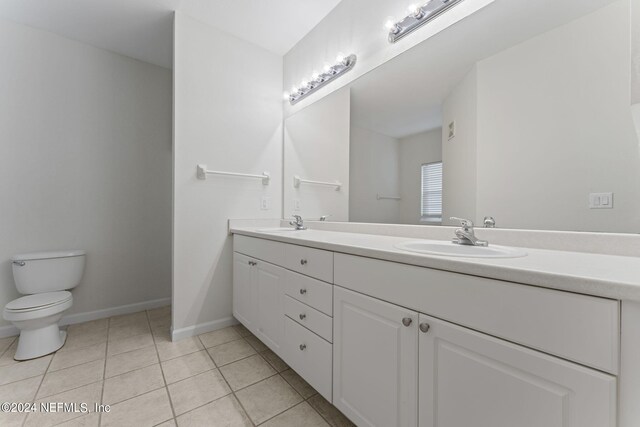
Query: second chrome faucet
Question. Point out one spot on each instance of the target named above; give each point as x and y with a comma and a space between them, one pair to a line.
465, 235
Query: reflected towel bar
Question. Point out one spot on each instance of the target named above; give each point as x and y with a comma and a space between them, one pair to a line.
379, 197
297, 181
202, 173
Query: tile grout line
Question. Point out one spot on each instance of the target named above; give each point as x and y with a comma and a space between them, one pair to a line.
164, 379
104, 372
24, 421
73, 388
232, 392
277, 373
8, 347
264, 379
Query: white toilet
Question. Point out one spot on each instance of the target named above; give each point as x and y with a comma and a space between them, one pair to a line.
44, 278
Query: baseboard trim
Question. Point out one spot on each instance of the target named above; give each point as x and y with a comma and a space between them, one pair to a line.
10, 330
201, 328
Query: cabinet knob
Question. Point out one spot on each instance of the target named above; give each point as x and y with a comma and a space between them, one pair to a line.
303, 291
407, 321
303, 347
424, 327
303, 262
302, 316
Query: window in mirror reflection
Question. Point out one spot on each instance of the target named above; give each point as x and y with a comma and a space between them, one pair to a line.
431, 201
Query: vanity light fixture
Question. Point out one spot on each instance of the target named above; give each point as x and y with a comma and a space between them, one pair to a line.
318, 80
417, 17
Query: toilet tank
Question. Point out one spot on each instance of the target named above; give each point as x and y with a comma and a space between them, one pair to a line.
40, 272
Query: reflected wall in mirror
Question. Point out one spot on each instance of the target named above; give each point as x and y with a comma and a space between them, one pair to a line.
522, 112
316, 148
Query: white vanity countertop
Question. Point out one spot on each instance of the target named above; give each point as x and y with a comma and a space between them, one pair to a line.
609, 276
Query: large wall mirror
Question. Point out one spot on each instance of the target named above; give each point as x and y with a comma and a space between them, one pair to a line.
528, 121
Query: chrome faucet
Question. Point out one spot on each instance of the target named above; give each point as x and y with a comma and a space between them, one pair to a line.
489, 222
465, 235
298, 223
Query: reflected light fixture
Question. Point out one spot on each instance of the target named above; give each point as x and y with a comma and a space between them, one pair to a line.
417, 17
320, 79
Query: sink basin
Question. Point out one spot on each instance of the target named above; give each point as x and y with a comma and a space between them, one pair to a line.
435, 247
276, 230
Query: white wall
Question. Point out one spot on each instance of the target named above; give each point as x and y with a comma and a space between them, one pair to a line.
415, 151
374, 169
554, 124
228, 115
316, 147
459, 154
357, 26
85, 163
635, 51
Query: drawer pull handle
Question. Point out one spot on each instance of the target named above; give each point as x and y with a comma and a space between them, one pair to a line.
303, 291
302, 316
407, 321
253, 263
424, 327
303, 347
303, 262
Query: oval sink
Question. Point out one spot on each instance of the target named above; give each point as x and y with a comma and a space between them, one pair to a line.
435, 247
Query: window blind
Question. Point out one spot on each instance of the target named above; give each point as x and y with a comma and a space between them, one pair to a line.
431, 202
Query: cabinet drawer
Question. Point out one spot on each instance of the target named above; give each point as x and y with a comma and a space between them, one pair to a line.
309, 317
310, 356
577, 327
312, 262
266, 250
312, 292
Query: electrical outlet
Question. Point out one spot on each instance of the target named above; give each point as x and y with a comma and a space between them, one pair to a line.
265, 203
601, 201
296, 205
452, 130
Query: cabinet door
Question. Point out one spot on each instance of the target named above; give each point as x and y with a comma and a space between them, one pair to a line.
270, 305
244, 290
375, 361
472, 379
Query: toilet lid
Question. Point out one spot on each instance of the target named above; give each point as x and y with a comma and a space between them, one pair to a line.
38, 301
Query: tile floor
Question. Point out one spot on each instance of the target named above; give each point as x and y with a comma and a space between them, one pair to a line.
222, 378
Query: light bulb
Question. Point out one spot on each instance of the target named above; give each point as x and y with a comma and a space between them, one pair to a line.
340, 58
294, 90
304, 84
392, 26
315, 75
416, 11
285, 96
389, 24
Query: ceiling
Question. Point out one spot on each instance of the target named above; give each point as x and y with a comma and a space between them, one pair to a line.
142, 29
404, 96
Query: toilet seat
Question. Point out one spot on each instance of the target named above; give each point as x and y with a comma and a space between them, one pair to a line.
38, 301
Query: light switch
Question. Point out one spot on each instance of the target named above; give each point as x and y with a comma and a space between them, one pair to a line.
296, 204
452, 130
265, 203
601, 201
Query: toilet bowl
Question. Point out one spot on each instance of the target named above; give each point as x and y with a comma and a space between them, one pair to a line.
45, 278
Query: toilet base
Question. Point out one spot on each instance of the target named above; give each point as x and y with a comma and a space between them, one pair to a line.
39, 342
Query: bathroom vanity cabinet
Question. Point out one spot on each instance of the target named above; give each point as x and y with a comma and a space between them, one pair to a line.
391, 344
